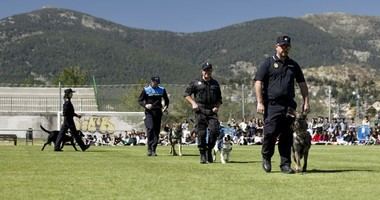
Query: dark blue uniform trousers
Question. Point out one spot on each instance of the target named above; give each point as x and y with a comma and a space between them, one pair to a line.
277, 125
206, 119
153, 126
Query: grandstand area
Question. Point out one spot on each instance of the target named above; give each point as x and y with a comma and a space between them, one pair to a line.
44, 99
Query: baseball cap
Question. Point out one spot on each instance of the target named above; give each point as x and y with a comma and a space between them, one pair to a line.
155, 79
69, 91
206, 66
283, 40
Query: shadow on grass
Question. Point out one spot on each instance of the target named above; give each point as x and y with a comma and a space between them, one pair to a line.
237, 161
189, 155
338, 170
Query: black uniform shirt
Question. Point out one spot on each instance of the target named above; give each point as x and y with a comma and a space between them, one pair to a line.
153, 95
278, 78
206, 93
68, 109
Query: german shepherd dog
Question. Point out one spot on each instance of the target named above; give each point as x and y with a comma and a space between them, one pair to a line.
53, 137
175, 135
301, 142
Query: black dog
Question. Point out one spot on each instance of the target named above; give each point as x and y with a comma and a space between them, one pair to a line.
53, 137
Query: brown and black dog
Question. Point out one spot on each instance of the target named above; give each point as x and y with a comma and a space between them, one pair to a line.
53, 137
301, 142
175, 137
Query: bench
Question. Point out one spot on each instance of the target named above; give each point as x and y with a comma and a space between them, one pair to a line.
9, 137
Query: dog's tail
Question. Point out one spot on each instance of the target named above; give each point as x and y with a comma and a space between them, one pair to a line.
44, 129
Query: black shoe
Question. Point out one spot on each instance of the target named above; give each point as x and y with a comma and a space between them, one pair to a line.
203, 158
58, 150
210, 159
149, 153
267, 165
286, 169
86, 147
154, 153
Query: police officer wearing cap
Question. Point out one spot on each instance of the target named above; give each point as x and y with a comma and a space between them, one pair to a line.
205, 103
274, 86
151, 98
68, 123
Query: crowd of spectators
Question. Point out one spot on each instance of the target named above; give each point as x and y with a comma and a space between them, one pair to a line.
340, 131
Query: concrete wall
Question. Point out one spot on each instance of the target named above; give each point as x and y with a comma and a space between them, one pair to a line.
95, 122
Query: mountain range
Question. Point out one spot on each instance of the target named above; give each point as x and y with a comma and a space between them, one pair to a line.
36, 46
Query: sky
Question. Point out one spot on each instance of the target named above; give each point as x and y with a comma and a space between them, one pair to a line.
192, 15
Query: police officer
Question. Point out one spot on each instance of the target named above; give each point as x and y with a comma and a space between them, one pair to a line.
151, 98
68, 123
274, 86
205, 103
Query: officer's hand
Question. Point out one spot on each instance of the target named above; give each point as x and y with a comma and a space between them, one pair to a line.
79, 116
215, 109
260, 108
195, 106
148, 106
306, 108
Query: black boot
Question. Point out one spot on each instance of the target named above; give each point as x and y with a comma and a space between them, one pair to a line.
210, 158
203, 157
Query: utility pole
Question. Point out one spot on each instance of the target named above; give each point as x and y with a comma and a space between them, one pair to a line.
242, 101
356, 93
329, 103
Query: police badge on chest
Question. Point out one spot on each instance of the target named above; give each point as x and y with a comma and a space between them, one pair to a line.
275, 65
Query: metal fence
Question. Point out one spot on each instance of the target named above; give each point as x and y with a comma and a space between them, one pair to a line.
43, 104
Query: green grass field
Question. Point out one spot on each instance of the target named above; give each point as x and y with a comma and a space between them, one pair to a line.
335, 172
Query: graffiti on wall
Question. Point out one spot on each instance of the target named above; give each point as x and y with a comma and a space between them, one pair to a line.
95, 124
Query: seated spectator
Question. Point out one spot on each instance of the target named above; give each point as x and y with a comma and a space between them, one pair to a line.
117, 140
349, 137
140, 138
258, 140
106, 139
316, 137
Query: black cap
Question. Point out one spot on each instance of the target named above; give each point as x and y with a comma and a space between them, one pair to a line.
155, 79
206, 66
69, 91
283, 40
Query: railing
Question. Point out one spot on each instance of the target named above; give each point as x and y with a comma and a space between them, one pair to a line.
43, 104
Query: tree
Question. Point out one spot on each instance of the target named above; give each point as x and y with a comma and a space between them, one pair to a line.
72, 76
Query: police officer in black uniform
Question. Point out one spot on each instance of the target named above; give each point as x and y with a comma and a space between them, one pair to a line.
150, 98
68, 123
274, 86
206, 102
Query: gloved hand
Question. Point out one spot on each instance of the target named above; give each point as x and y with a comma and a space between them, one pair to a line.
215, 109
148, 106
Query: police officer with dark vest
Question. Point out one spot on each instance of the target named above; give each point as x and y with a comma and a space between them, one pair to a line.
274, 86
68, 123
205, 103
150, 98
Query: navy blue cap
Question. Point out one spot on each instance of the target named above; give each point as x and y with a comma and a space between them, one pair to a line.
155, 79
206, 66
69, 91
283, 40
